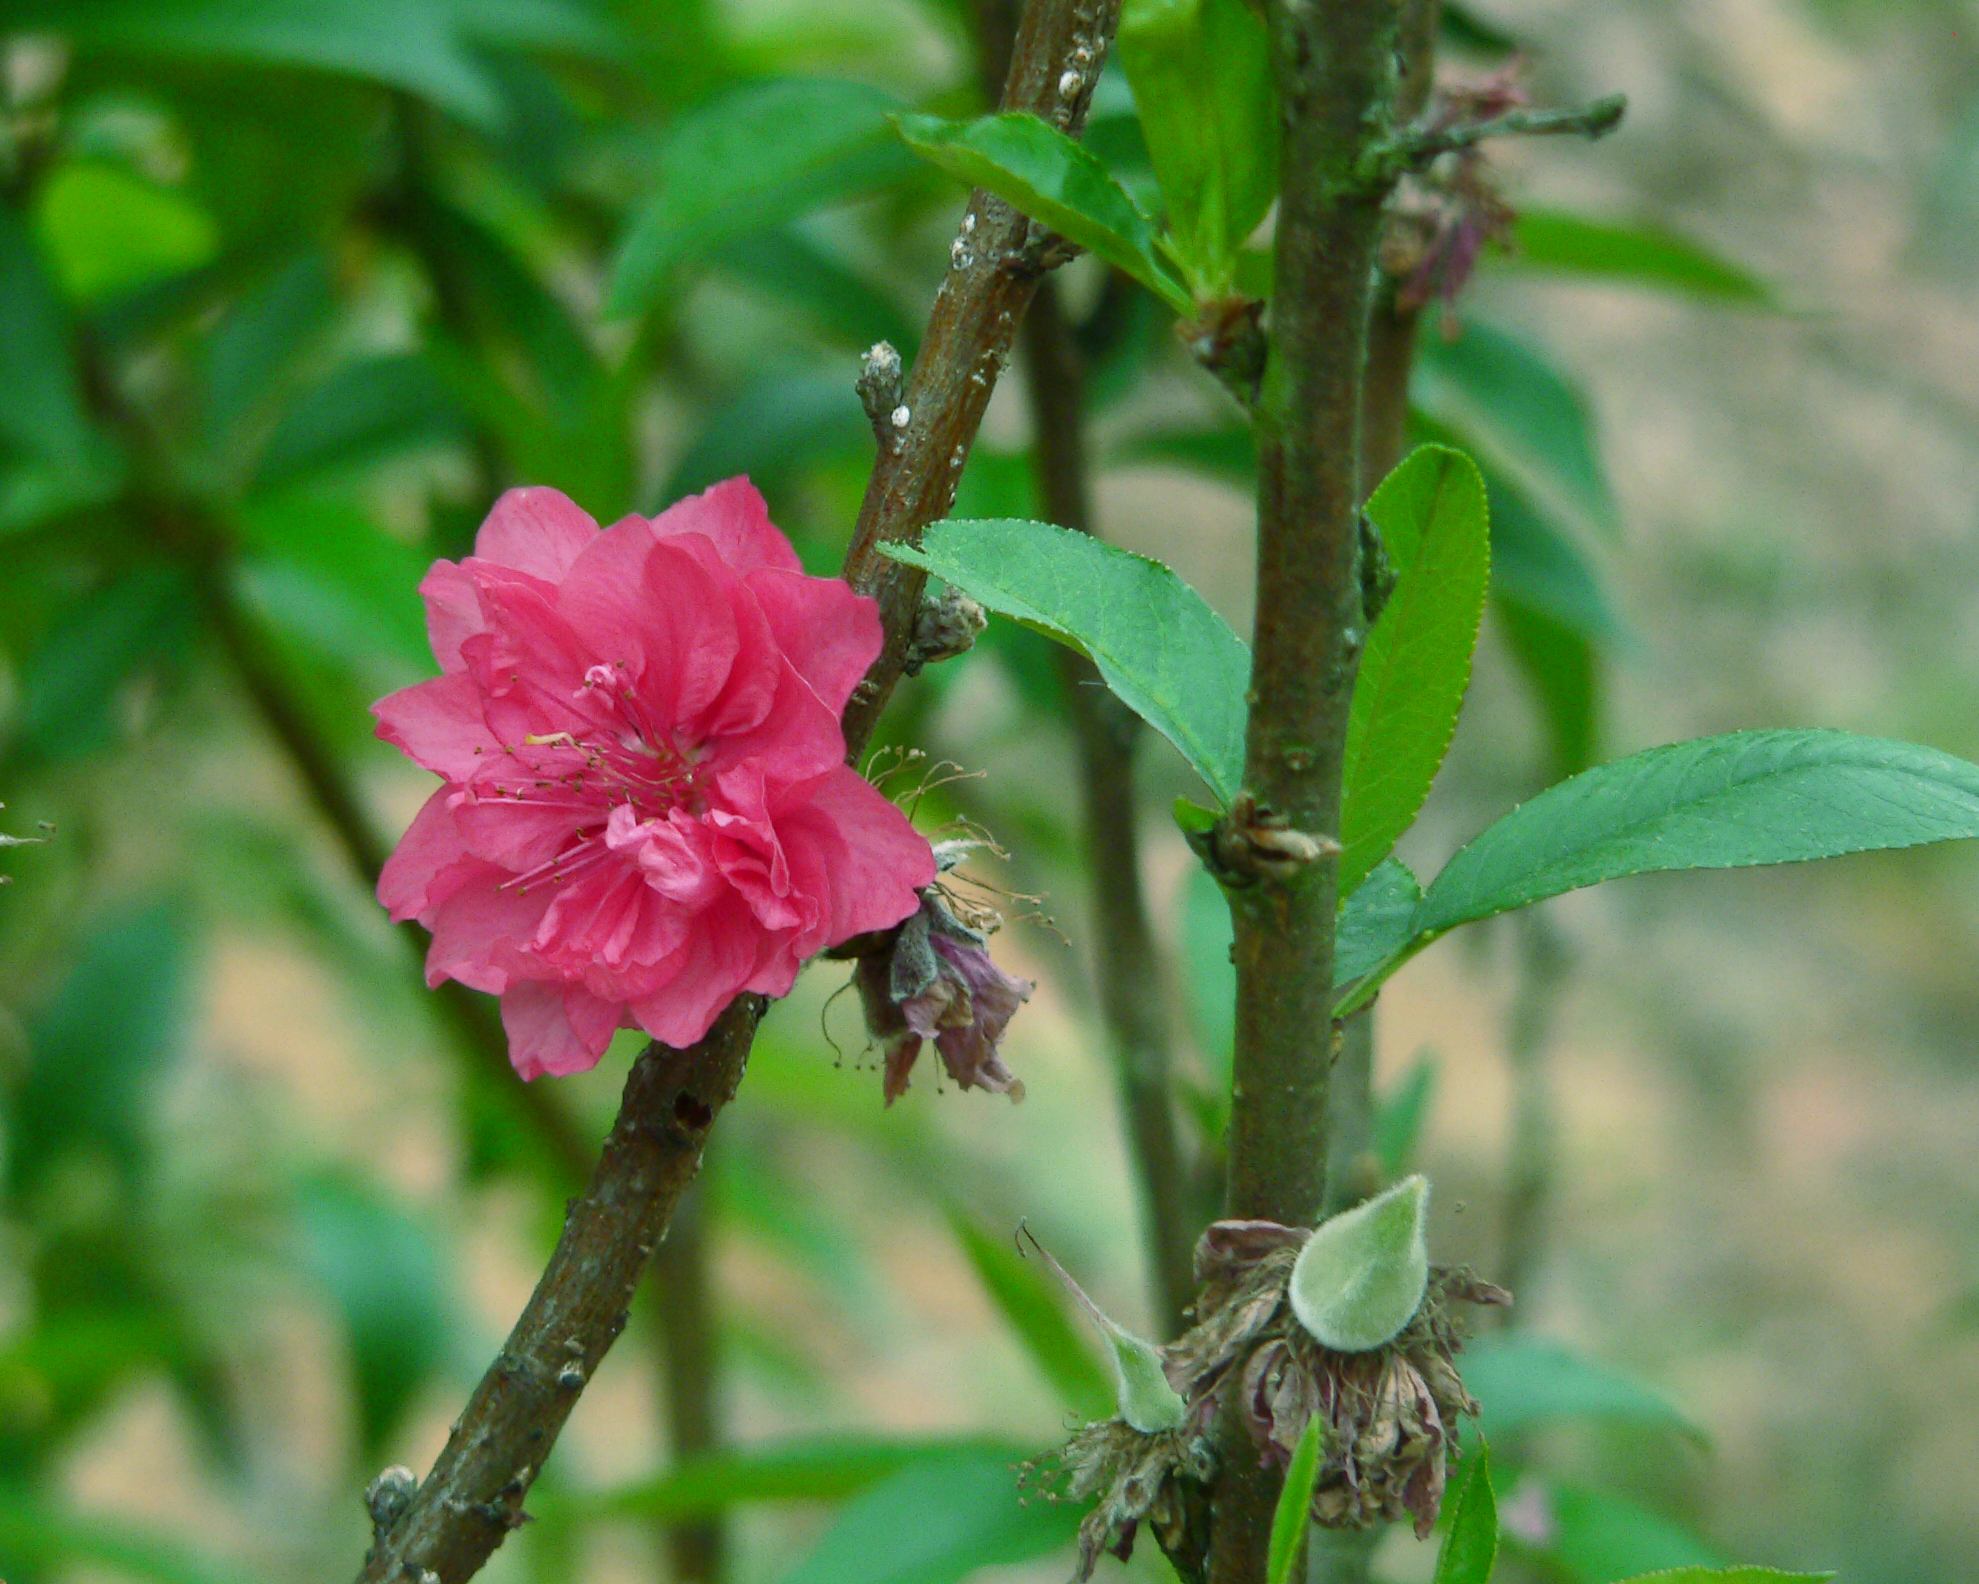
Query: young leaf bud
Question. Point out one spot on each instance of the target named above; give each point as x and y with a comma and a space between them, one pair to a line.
1360, 1278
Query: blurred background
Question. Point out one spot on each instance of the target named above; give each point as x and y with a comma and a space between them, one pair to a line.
289, 292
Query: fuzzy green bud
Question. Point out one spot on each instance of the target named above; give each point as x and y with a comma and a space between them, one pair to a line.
1360, 1278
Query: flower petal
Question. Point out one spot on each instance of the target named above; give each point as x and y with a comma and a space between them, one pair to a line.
555, 1028
734, 515
828, 633
537, 530
441, 724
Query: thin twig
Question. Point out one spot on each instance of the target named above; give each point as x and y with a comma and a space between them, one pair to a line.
1127, 961
1335, 70
474, 1494
1595, 120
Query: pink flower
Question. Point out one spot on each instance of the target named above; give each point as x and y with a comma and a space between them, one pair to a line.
646, 809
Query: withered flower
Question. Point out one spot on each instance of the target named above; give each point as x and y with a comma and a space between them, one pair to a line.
934, 979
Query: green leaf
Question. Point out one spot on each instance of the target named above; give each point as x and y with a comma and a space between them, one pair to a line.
1201, 75
828, 1468
102, 1048
1643, 255
1212, 977
1146, 1399
1560, 667
1292, 1517
1040, 171
1470, 1546
107, 231
1417, 661
1596, 1538
1519, 417
935, 1522
322, 573
755, 157
1376, 922
1361, 1275
416, 46
1024, 1296
1227, 452
842, 300
772, 429
363, 413
1728, 1575
1170, 658
1542, 569
382, 1273
1758, 797
71, 682
1399, 1115
43, 413
48, 1537
1522, 1381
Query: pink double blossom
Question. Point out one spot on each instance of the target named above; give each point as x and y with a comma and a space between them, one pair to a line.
646, 808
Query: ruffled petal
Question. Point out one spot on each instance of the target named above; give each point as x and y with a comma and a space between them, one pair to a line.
482, 930
709, 972
870, 859
734, 515
537, 530
829, 634
556, 1029
427, 865
441, 724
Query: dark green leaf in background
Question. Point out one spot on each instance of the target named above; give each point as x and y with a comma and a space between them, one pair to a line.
1524, 1381
757, 156
1729, 1575
43, 414
1518, 416
102, 1048
383, 1278
1642, 255
1561, 668
820, 1469
423, 46
1038, 170
1400, 1115
1417, 659
1031, 1304
73, 683
363, 413
773, 429
1592, 1537
36, 1534
1169, 657
935, 1522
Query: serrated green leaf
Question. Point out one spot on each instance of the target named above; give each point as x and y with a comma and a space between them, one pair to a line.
1376, 922
1417, 660
107, 231
1201, 75
1522, 1381
1361, 1275
1519, 416
1643, 255
1028, 1303
1292, 1517
1759, 797
1470, 1545
1040, 171
1169, 657
755, 157
935, 1522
